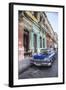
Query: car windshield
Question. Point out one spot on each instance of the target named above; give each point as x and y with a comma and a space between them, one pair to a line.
44, 51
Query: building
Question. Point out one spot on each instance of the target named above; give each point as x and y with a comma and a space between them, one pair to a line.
34, 32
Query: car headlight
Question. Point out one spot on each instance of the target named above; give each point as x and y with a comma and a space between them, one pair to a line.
47, 59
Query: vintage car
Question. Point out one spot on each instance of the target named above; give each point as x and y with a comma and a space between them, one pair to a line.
44, 58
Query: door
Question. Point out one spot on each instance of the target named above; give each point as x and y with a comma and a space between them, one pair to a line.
35, 43
26, 40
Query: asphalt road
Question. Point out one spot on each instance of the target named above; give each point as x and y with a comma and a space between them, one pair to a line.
40, 72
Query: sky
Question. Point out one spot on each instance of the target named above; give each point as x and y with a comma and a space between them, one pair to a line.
53, 19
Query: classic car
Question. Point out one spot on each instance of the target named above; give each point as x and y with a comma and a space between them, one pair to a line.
44, 58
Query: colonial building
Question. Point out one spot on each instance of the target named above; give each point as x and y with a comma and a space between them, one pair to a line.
51, 37
34, 32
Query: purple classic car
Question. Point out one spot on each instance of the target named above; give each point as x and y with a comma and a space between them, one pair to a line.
44, 58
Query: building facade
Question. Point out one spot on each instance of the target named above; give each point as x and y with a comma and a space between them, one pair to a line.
34, 32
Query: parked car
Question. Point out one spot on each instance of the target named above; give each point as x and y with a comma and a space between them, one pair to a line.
44, 58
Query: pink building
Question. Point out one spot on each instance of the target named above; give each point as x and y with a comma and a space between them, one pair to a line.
20, 40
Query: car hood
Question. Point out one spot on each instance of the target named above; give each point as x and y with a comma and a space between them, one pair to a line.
40, 56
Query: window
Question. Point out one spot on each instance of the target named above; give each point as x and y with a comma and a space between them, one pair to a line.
26, 40
35, 14
35, 43
44, 21
40, 18
43, 43
40, 42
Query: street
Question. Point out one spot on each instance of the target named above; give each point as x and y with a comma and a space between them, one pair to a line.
40, 72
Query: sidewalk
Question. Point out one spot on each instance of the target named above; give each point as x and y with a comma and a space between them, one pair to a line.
23, 64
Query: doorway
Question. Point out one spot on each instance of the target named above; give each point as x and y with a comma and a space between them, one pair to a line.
35, 43
26, 40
